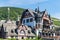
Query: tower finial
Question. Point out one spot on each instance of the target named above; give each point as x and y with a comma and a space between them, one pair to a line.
38, 9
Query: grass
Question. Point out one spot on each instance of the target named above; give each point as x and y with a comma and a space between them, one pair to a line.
36, 38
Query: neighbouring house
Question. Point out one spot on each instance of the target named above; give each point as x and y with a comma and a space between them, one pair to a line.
25, 32
7, 29
1, 22
10, 29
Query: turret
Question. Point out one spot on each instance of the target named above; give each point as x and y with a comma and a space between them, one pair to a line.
37, 10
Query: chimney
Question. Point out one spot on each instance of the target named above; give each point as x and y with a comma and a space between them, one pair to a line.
36, 10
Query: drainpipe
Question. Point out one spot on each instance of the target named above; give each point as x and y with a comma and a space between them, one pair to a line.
37, 32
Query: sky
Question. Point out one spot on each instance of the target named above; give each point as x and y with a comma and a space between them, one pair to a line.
52, 6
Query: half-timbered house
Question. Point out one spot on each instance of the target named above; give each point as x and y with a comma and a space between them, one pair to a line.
38, 20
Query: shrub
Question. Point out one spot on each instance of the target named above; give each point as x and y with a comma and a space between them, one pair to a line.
1, 39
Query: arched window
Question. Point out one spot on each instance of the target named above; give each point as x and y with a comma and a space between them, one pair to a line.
22, 32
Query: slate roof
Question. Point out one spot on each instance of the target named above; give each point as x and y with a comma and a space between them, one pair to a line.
33, 13
36, 14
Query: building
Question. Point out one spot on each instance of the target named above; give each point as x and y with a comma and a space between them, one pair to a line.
24, 32
6, 29
32, 23
14, 29
36, 19
10, 29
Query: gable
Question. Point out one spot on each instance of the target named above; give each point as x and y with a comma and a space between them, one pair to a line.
46, 16
26, 14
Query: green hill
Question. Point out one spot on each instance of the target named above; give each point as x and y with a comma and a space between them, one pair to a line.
56, 21
14, 12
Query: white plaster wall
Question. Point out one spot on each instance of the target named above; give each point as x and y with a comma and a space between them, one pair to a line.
32, 24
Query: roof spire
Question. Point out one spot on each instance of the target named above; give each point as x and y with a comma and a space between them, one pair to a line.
45, 9
8, 13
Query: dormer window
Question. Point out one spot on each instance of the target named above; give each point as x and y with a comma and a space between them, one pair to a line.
22, 32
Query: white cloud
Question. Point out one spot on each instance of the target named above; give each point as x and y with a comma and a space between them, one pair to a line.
26, 1
20, 2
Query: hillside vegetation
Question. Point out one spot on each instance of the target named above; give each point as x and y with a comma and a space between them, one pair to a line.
15, 12
56, 21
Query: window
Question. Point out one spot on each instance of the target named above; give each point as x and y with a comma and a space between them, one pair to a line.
31, 19
12, 31
38, 25
23, 21
22, 37
27, 20
45, 22
38, 19
29, 31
